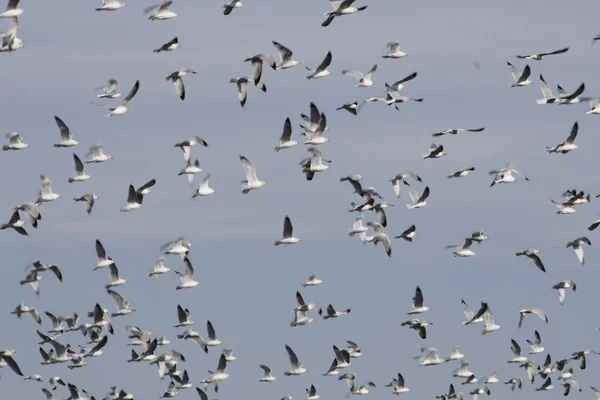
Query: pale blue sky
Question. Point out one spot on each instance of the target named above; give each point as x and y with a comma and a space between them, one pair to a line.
247, 285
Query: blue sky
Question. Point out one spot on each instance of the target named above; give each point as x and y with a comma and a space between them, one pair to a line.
247, 285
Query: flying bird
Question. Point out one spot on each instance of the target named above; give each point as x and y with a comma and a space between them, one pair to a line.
110, 90
457, 131
461, 173
341, 7
568, 144
177, 79
160, 11
520, 78
419, 201
288, 237
251, 181
80, 174
242, 86
227, 8
363, 80
577, 246
394, 51
540, 56
121, 108
321, 71
15, 142
285, 56
535, 311
66, 136
532, 254
12, 10
111, 5
285, 140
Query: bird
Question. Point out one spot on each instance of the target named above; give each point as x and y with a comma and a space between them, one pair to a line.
394, 51
341, 7
312, 281
169, 46
536, 344
12, 10
23, 309
110, 90
178, 246
546, 92
251, 182
396, 179
7, 356
267, 377
41, 267
115, 279
520, 78
123, 307
184, 317
288, 237
352, 108
594, 103
212, 335
455, 354
457, 131
33, 278
490, 325
204, 189
398, 85
229, 357
418, 306
122, 107
429, 357
408, 234
578, 248
331, 312
363, 80
187, 278
461, 173
297, 368
570, 98
285, 141
357, 226
285, 57
227, 8
96, 154
242, 86
321, 71
540, 56
191, 168
505, 175
111, 5
561, 287
435, 151
380, 236
103, 260
532, 254
134, 200
15, 223
257, 68
80, 174
418, 201
160, 11
463, 250
536, 311
516, 350
46, 194
15, 142
353, 349
66, 136
547, 385
177, 79
312, 393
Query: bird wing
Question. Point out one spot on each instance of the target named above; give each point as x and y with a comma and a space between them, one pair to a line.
293, 357
284, 52
514, 72
414, 196
560, 51
573, 133
179, 87
418, 299
65, 132
287, 228
357, 74
133, 91
287, 130
325, 63
249, 170
78, 164
525, 75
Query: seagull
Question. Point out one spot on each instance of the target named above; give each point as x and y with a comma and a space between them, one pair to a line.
546, 92
332, 371
333, 313
314, 163
516, 350
251, 181
321, 71
161, 11
89, 199
435, 151
257, 69
41, 267
288, 237
594, 103
430, 357
572, 98
123, 307
532, 254
23, 309
462, 173
7, 359
540, 56
418, 306
297, 368
80, 174
547, 385
363, 80
115, 280
353, 349
398, 85
505, 175
187, 278
402, 177
177, 79
457, 131
491, 378
577, 247
300, 319
11, 10
471, 319
380, 236
408, 234
103, 260
394, 51
580, 355
312, 281
46, 195
312, 393
521, 79
464, 250
352, 108
66, 136
478, 391
398, 385
33, 212
285, 141
15, 223
111, 5
561, 287
267, 374
184, 317
191, 168
301, 305
490, 325
242, 85
514, 382
230, 6
14, 142
212, 335
169, 46
567, 386
204, 189
96, 154
229, 357
178, 246
564, 208
9, 40
315, 136
122, 108
285, 55
109, 91
341, 7
171, 391
33, 278
134, 200
455, 355
418, 201
537, 311
357, 226
145, 188
536, 344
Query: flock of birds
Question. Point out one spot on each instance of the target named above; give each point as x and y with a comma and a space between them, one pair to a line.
369, 225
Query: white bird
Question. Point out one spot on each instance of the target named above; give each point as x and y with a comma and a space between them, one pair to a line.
203, 188
394, 51
177, 79
80, 174
520, 78
96, 154
535, 311
229, 357
285, 56
230, 6
564, 208
331, 312
15, 223
297, 368
408, 234
536, 344
315, 136
357, 226
312, 281
160, 11
23, 309
171, 391
456, 131
561, 287
418, 201
341, 7
251, 181
532, 254
455, 354
435, 151
546, 92
115, 280
134, 200
169, 46
111, 5
353, 349
491, 378
110, 90
380, 236
578, 248
418, 306
482, 390
540, 56
14, 142
123, 307
363, 80
187, 278
122, 107
321, 71
462, 173
568, 144
11, 10
285, 140
257, 68
430, 357
46, 194
463, 250
178, 246
352, 108
463, 370
191, 168
242, 86
398, 85
312, 393
547, 385
402, 177
288, 237
504, 175
184, 317
490, 325
41, 267
300, 319
594, 103
267, 377
516, 350
219, 373
66, 136
103, 260
212, 335
515, 382
9, 40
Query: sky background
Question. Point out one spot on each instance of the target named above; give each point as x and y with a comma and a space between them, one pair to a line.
247, 285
